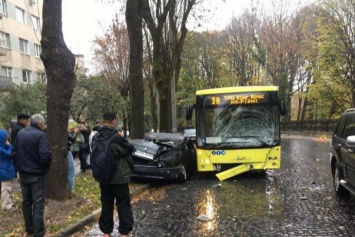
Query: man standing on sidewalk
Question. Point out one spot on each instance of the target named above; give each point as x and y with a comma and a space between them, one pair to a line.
33, 157
118, 187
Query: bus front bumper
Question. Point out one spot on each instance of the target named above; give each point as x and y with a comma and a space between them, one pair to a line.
242, 168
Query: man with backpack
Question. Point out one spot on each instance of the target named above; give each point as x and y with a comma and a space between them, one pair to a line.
111, 167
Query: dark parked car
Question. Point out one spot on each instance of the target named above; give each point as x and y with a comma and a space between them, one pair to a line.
342, 154
164, 156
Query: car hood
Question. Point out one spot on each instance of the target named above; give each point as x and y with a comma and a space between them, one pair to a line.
164, 137
146, 146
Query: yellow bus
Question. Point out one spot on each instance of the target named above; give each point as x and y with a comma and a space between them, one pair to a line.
237, 129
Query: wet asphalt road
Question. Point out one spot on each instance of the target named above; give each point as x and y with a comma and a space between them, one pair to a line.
297, 200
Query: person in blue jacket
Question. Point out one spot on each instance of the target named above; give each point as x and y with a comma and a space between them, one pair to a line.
7, 171
31, 151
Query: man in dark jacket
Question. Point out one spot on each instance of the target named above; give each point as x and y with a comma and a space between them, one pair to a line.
118, 187
85, 150
33, 157
22, 121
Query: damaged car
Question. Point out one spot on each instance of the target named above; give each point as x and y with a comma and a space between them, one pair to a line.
164, 156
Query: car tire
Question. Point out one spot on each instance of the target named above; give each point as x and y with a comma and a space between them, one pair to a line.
183, 175
337, 176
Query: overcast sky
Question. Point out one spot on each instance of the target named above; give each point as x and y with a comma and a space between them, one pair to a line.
81, 24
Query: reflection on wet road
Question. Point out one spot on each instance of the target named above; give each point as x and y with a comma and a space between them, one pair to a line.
297, 200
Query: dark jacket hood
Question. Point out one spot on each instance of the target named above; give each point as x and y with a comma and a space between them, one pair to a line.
106, 131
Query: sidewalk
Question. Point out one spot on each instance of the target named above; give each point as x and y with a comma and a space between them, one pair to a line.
90, 219
94, 217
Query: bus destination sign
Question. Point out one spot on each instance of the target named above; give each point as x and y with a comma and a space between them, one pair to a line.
237, 99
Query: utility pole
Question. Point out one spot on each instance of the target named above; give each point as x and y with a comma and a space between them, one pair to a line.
172, 86
173, 103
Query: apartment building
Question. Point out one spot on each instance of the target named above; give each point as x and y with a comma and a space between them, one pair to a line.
20, 36
20, 47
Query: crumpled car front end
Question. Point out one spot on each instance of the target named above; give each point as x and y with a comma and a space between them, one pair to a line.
156, 161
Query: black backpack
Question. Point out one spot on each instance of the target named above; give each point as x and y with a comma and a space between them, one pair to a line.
102, 162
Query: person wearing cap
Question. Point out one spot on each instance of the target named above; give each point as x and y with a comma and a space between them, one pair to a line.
22, 121
118, 188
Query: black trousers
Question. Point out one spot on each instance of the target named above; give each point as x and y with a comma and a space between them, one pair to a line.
120, 193
33, 202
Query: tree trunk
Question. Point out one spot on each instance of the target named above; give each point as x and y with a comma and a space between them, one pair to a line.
165, 108
166, 54
59, 64
134, 20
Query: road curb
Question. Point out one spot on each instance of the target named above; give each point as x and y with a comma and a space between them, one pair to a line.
94, 216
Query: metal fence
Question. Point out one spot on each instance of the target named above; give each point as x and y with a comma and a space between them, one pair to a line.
309, 125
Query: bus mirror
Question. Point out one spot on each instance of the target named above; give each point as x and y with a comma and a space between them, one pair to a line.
189, 111
282, 108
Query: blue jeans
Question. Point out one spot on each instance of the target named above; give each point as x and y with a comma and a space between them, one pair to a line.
71, 171
33, 202
83, 160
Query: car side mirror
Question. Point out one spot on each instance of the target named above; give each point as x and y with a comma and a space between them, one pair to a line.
350, 142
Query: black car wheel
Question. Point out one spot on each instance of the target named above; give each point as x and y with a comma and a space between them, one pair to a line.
183, 175
337, 176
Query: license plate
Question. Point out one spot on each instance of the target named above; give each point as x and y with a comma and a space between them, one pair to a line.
144, 154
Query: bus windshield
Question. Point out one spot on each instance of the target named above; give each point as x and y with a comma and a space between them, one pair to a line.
237, 125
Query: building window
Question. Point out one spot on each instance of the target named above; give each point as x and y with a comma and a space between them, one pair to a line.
26, 76
2, 7
6, 71
38, 50
41, 76
24, 46
4, 40
20, 15
35, 22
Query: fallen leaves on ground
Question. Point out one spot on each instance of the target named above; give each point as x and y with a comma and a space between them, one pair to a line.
58, 214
